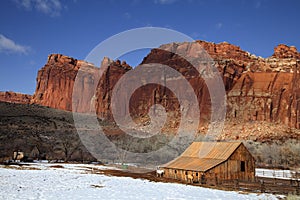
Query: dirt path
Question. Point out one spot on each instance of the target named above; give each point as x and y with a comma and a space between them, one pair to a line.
281, 187
151, 176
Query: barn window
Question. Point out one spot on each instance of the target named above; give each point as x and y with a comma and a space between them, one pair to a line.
242, 166
175, 171
186, 173
196, 173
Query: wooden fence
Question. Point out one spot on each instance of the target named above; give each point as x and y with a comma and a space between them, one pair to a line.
278, 174
262, 184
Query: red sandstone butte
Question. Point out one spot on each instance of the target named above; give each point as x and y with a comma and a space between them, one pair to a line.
55, 83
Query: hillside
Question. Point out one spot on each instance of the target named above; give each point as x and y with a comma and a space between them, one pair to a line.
40, 132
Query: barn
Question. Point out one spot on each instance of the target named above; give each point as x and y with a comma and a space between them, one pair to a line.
211, 163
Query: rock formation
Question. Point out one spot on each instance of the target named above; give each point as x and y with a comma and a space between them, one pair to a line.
269, 90
111, 75
284, 51
13, 97
55, 83
258, 89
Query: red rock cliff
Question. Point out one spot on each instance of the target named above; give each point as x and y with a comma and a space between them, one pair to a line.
55, 83
257, 88
13, 97
111, 75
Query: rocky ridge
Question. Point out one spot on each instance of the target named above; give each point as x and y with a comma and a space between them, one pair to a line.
258, 89
13, 97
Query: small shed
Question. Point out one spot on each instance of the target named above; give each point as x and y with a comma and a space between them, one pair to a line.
212, 162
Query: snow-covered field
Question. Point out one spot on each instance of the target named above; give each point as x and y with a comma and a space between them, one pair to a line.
75, 182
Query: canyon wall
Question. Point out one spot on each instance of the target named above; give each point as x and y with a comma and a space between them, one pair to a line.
55, 83
269, 90
258, 89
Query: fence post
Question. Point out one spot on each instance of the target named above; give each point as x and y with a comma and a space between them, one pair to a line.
262, 186
236, 183
297, 187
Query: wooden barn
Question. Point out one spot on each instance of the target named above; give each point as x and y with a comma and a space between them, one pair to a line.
211, 163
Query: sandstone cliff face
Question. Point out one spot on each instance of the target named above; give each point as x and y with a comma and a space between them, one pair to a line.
111, 75
13, 97
257, 89
269, 90
261, 96
55, 83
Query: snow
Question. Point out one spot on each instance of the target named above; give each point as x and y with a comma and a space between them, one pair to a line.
81, 167
41, 181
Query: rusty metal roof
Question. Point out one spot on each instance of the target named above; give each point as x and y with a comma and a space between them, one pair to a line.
202, 156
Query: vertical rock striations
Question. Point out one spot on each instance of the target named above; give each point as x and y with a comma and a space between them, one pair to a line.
55, 83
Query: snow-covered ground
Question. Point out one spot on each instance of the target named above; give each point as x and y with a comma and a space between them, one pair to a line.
74, 182
281, 174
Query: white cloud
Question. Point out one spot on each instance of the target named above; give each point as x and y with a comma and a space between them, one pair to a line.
48, 7
164, 1
219, 25
9, 46
25, 3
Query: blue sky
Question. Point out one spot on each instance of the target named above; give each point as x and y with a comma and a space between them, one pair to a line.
30, 30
